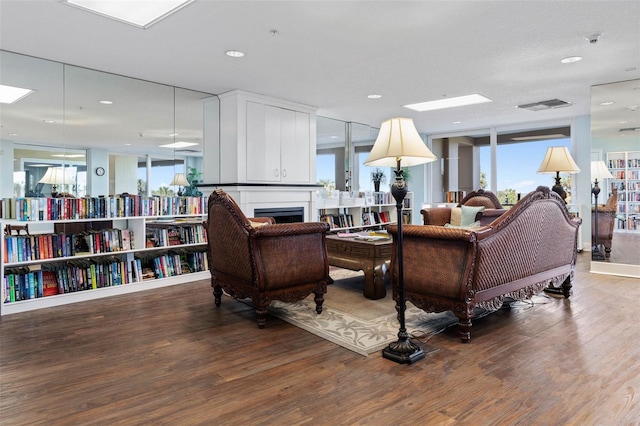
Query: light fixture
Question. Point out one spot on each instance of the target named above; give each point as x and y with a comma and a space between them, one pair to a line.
234, 53
56, 176
399, 144
141, 14
449, 103
598, 171
571, 59
556, 160
11, 94
105, 102
178, 145
179, 179
374, 96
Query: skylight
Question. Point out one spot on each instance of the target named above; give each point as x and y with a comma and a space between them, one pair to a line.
449, 103
141, 14
10, 94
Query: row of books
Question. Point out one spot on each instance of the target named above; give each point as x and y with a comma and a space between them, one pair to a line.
338, 220
375, 218
42, 208
620, 163
629, 174
24, 248
45, 280
158, 235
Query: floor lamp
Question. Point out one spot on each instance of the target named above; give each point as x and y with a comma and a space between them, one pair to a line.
598, 171
399, 145
556, 160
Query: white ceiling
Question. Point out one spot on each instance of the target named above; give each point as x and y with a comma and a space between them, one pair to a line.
333, 54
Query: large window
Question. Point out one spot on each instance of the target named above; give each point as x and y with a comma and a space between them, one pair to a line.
517, 165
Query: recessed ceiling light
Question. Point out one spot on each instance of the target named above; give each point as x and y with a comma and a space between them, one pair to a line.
141, 14
456, 122
234, 53
11, 94
106, 102
622, 122
449, 103
607, 103
374, 96
178, 145
571, 59
49, 121
334, 137
13, 134
173, 134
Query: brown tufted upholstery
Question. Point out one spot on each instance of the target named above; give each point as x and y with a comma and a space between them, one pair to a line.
606, 222
492, 209
517, 255
271, 262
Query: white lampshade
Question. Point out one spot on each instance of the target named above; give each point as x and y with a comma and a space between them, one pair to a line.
599, 170
58, 176
398, 139
180, 179
558, 159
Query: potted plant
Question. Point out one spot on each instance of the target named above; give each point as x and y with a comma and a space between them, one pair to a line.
378, 177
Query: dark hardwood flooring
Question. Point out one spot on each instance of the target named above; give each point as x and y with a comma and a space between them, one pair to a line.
171, 357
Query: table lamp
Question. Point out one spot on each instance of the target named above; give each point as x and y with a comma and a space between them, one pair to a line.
598, 171
56, 176
179, 179
558, 159
399, 144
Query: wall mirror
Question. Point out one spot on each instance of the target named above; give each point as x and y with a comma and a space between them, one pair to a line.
615, 140
91, 121
332, 157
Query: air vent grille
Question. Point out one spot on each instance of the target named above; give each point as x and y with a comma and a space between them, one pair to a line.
545, 105
630, 129
188, 150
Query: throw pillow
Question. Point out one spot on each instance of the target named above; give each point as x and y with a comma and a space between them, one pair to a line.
456, 216
474, 225
257, 224
469, 214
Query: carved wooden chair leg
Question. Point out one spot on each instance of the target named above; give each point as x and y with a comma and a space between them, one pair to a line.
261, 314
319, 299
464, 329
566, 286
217, 294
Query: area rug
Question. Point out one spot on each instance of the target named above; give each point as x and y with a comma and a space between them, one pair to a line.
350, 320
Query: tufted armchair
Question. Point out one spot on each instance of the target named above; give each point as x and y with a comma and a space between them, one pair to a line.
259, 259
606, 221
480, 198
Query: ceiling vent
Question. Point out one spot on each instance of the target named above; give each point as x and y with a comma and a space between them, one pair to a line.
630, 129
545, 105
188, 150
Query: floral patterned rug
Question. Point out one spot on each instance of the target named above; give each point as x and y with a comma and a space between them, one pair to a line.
357, 330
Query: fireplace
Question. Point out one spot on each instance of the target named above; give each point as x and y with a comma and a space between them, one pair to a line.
282, 214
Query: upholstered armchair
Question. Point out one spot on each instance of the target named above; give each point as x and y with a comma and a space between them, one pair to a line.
485, 204
606, 222
259, 259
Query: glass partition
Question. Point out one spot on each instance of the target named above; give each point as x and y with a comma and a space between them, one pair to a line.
92, 121
615, 140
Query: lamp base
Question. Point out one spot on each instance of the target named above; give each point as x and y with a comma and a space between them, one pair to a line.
597, 254
403, 351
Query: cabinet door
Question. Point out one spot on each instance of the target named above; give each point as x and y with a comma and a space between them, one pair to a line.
295, 150
263, 143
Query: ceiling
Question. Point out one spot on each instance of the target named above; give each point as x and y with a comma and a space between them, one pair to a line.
332, 55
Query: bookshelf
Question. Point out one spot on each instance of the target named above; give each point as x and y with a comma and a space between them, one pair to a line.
625, 168
380, 210
53, 262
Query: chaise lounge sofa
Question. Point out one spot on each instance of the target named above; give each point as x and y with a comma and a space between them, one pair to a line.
526, 249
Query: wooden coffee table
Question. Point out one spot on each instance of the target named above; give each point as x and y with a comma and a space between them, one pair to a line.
372, 257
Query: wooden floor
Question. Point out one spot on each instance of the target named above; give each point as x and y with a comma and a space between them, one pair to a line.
171, 357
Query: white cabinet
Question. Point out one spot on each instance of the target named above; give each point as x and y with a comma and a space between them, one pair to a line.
277, 144
265, 140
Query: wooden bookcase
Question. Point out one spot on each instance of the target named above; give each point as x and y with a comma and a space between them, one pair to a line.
625, 168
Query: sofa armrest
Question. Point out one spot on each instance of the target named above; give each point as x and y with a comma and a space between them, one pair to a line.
436, 215
288, 229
